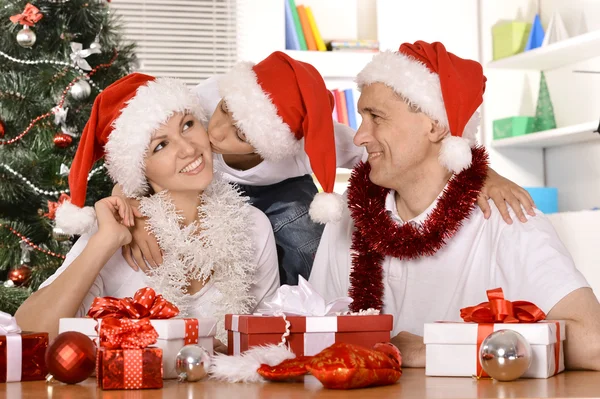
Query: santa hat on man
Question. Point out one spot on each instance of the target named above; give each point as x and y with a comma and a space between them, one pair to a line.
277, 103
124, 117
445, 87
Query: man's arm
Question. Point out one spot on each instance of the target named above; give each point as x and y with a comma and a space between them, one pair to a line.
581, 311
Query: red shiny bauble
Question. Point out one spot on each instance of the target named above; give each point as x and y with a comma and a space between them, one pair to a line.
71, 357
2, 129
62, 140
20, 275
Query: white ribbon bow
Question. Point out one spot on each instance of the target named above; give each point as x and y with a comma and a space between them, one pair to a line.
64, 170
8, 324
78, 55
60, 115
302, 300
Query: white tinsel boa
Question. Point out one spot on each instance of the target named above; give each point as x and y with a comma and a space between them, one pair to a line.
218, 246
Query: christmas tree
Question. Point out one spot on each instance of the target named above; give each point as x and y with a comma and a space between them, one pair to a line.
55, 58
544, 113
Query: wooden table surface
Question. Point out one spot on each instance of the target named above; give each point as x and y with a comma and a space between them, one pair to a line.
412, 384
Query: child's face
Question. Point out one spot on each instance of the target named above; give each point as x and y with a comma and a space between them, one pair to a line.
225, 137
179, 157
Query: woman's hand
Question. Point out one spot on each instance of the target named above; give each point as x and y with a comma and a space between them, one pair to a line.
115, 216
501, 191
143, 246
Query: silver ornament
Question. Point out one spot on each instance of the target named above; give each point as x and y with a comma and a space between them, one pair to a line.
192, 362
26, 37
9, 284
59, 235
505, 355
81, 90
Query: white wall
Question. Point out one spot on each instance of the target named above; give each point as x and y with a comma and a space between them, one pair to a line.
575, 169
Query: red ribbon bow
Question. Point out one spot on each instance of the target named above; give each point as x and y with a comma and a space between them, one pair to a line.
145, 303
500, 310
127, 334
53, 206
31, 14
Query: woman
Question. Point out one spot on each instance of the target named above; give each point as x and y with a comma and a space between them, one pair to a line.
219, 252
271, 127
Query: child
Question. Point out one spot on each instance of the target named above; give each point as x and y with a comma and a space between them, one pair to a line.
219, 252
271, 127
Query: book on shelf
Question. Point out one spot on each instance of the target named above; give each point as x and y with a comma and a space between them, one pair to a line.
297, 25
344, 110
291, 36
315, 30
354, 45
308, 34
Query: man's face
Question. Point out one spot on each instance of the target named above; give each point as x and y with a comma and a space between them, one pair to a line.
225, 137
395, 135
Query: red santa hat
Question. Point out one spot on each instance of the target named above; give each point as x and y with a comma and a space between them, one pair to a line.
124, 117
445, 87
277, 103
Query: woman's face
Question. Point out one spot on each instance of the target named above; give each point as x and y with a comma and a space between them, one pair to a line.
225, 137
179, 157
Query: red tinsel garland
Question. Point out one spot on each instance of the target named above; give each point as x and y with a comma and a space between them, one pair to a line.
376, 235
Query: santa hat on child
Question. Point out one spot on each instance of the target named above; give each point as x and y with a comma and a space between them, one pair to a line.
445, 87
278, 102
124, 117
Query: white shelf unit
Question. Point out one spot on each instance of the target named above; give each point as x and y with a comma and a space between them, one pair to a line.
553, 56
334, 64
552, 138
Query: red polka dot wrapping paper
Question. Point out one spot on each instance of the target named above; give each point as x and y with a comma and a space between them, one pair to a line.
129, 368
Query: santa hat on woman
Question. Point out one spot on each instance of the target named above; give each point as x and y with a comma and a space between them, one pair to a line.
445, 87
277, 103
124, 117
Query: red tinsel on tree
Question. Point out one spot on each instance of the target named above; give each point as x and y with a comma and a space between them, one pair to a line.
376, 235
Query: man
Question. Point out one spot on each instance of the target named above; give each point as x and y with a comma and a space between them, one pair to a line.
411, 244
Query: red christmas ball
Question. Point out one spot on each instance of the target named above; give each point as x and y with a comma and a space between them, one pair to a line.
20, 275
2, 129
71, 357
62, 140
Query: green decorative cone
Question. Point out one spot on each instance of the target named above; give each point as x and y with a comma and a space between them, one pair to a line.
544, 113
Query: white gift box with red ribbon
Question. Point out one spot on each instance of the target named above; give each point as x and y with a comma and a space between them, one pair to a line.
173, 334
452, 348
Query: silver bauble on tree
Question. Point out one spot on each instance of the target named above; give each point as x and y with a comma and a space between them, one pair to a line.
26, 37
192, 363
81, 90
505, 355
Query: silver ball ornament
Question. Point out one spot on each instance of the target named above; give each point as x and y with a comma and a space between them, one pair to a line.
505, 355
26, 37
192, 362
81, 90
59, 235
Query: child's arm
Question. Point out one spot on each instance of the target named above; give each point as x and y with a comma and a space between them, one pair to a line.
501, 190
144, 246
63, 297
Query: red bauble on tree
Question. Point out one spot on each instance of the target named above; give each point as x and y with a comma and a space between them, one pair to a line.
2, 129
20, 275
62, 140
71, 357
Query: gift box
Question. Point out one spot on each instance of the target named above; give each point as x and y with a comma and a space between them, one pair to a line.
308, 335
21, 353
452, 348
22, 356
509, 38
513, 126
173, 334
129, 368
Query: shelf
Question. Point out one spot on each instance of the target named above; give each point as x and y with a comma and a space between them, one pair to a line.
556, 55
334, 64
552, 138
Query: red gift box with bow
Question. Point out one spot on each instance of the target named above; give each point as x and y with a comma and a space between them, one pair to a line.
173, 332
124, 360
452, 348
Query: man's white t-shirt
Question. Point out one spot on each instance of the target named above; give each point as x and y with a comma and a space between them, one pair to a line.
269, 172
527, 260
117, 279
